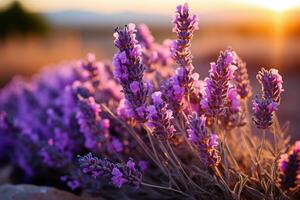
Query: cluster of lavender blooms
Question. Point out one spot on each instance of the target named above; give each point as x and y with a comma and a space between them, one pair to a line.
159, 117
184, 82
234, 115
119, 174
289, 168
184, 25
215, 99
95, 129
241, 79
46, 122
264, 107
129, 71
206, 143
153, 53
90, 106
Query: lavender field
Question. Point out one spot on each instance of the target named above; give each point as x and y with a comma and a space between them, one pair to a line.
183, 110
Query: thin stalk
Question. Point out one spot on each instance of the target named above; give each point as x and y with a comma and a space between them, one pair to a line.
136, 137
231, 155
162, 146
167, 188
154, 150
223, 152
218, 173
261, 145
177, 160
248, 125
275, 139
250, 152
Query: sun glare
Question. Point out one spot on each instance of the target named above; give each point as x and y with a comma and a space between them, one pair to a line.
277, 5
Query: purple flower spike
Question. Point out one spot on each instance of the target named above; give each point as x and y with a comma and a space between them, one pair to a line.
271, 83
117, 177
173, 93
143, 165
91, 66
119, 174
233, 100
263, 112
94, 128
160, 117
241, 79
184, 25
95, 167
144, 36
3, 121
289, 168
73, 184
215, 97
129, 70
234, 113
206, 143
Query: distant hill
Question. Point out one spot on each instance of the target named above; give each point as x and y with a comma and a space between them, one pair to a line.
238, 17
85, 18
247, 21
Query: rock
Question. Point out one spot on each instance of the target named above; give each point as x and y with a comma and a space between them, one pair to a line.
32, 192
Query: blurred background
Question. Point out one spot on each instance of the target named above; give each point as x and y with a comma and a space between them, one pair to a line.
265, 33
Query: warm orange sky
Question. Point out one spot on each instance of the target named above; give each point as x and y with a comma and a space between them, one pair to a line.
153, 6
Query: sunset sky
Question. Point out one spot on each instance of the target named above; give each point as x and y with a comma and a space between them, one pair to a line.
153, 6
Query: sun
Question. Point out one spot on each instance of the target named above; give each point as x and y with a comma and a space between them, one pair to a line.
276, 5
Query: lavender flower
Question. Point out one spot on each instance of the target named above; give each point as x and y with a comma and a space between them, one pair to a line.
173, 93
119, 174
263, 112
153, 54
163, 53
241, 79
234, 114
184, 25
73, 184
144, 36
94, 128
116, 145
146, 40
3, 121
143, 165
90, 66
124, 111
129, 70
271, 83
289, 168
206, 143
159, 117
95, 166
215, 97
54, 157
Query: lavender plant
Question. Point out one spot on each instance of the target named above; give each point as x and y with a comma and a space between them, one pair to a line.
159, 117
191, 140
241, 78
271, 83
118, 173
206, 143
289, 166
217, 85
130, 70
